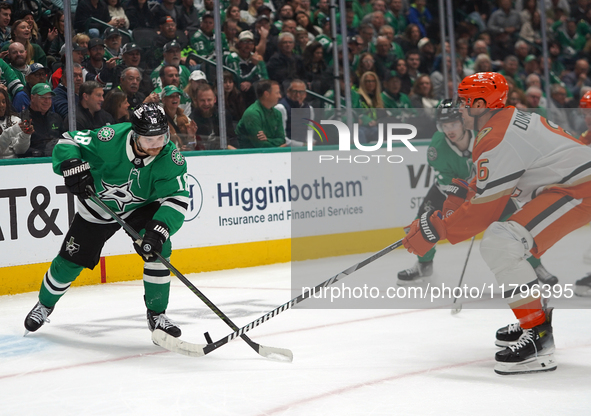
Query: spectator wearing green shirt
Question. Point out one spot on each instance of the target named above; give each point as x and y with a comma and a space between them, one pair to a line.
391, 96
262, 124
395, 17
172, 56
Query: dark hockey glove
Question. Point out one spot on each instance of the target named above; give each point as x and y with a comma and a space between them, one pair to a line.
424, 233
156, 234
457, 193
77, 176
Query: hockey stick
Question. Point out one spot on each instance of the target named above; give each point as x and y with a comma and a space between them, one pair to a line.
199, 350
458, 308
267, 352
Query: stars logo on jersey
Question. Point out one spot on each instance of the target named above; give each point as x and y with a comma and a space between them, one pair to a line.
121, 194
432, 153
71, 247
177, 157
105, 134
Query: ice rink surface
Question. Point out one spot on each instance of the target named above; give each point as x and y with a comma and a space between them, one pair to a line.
96, 356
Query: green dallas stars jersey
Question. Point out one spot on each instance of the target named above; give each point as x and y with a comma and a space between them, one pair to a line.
123, 181
448, 162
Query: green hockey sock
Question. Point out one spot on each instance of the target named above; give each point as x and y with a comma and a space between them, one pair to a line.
57, 280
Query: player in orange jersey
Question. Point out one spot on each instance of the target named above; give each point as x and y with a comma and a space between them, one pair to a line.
524, 156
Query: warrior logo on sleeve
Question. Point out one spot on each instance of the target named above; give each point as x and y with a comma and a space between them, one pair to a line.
121, 194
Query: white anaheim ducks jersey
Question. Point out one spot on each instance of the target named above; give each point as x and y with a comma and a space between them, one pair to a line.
519, 154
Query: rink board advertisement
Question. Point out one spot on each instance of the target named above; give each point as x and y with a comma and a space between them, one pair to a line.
241, 210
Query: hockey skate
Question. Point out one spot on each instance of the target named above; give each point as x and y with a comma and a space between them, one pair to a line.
508, 335
161, 321
583, 286
545, 277
416, 274
533, 352
37, 317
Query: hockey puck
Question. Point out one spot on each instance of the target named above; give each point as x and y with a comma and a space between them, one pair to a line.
208, 338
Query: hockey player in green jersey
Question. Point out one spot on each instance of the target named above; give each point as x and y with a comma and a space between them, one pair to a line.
450, 156
135, 170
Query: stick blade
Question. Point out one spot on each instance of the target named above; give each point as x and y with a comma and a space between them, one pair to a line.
162, 339
276, 354
456, 310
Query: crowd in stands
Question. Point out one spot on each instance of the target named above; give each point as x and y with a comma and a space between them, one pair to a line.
277, 56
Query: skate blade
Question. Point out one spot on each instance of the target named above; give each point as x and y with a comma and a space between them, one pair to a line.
533, 365
26, 332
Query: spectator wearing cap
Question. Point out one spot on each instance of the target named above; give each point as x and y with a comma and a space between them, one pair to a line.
60, 99
391, 95
112, 38
164, 9
171, 56
284, 65
139, 14
169, 75
78, 52
420, 16
131, 56
203, 40
21, 32
261, 124
35, 74
207, 118
48, 125
294, 124
168, 33
117, 14
182, 129
91, 8
249, 66
89, 112
427, 55
264, 39
188, 17
196, 80
96, 67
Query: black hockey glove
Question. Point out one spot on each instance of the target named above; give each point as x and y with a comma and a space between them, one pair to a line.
77, 177
155, 236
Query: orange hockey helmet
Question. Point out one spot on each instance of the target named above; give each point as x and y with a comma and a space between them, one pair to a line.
489, 86
585, 100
